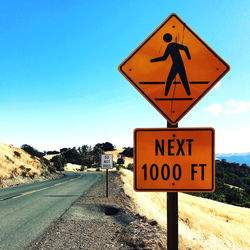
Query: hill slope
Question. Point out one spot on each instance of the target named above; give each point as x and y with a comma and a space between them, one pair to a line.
14, 159
19, 167
203, 223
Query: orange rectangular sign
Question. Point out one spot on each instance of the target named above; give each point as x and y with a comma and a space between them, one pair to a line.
174, 159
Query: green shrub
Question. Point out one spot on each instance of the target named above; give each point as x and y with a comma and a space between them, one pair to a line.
45, 161
128, 152
32, 151
120, 161
7, 158
32, 175
118, 167
22, 167
17, 154
52, 169
59, 162
130, 166
24, 174
107, 146
25, 171
44, 173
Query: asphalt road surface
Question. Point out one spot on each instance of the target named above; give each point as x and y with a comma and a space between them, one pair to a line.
27, 210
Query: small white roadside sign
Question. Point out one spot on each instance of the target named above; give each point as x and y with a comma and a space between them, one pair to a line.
107, 161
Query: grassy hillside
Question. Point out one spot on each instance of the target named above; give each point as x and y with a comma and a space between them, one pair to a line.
15, 160
203, 223
23, 165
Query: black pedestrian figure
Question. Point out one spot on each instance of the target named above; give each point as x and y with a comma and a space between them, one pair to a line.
177, 66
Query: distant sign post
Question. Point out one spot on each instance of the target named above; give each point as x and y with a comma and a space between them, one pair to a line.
174, 69
107, 163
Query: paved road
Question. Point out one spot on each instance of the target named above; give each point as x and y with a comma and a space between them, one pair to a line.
27, 210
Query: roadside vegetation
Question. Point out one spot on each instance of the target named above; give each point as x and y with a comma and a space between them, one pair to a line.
86, 156
46, 165
232, 179
232, 184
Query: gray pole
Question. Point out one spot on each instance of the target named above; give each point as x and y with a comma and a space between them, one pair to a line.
107, 182
172, 214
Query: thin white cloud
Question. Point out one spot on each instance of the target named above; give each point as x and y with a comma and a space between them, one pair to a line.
214, 108
237, 107
230, 107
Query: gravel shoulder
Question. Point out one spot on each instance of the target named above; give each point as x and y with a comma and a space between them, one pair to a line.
97, 222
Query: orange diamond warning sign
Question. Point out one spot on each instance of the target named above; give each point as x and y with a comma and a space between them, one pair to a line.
173, 68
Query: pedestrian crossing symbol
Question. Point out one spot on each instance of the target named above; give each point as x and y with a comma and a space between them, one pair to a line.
173, 68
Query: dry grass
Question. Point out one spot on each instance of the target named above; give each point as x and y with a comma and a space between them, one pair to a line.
10, 161
203, 223
72, 167
49, 157
115, 156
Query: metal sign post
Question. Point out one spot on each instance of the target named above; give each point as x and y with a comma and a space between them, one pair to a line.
107, 183
172, 214
107, 163
172, 221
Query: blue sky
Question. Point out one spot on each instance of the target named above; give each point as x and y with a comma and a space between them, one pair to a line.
59, 79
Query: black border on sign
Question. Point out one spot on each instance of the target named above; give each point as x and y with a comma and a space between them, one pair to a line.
174, 129
148, 98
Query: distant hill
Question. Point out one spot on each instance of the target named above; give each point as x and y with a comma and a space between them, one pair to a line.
240, 158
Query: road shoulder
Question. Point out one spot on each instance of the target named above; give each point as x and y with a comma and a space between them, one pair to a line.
97, 222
